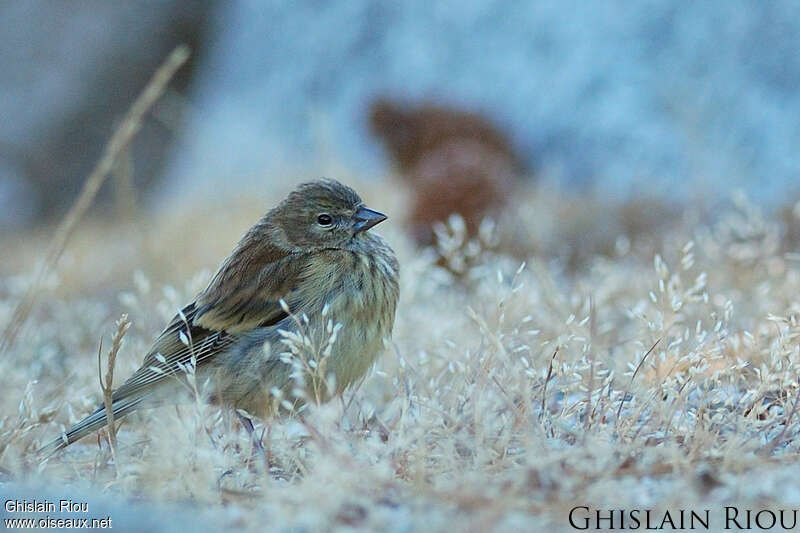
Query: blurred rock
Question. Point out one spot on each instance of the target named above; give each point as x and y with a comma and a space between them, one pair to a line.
70, 72
789, 216
676, 99
453, 161
411, 132
668, 98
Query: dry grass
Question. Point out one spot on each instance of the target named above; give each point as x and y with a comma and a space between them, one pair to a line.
117, 145
508, 395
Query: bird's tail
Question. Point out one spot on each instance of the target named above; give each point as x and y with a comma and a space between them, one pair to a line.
93, 422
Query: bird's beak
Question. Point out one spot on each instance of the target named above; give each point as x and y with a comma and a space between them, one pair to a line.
366, 218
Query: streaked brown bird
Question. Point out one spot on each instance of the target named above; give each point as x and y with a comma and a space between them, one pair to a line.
308, 269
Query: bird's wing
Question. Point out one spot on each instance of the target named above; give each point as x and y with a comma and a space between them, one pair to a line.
244, 294
247, 290
173, 349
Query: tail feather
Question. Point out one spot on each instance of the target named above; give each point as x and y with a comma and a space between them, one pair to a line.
91, 423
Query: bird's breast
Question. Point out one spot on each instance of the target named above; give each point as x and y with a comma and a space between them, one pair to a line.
358, 303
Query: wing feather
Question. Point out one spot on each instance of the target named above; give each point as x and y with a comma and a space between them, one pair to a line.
244, 294
202, 343
247, 290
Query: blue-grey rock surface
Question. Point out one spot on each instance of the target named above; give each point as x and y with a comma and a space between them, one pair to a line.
677, 98
673, 97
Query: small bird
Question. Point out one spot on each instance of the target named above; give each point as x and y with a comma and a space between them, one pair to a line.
309, 269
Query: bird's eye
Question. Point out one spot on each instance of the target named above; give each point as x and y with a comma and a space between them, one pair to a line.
324, 219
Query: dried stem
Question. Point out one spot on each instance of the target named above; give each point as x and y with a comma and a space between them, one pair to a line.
124, 189
107, 385
119, 141
546, 381
636, 371
771, 445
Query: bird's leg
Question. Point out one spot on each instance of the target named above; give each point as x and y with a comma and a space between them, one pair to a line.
257, 444
268, 453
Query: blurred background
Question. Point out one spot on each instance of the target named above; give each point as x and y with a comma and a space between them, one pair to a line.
670, 100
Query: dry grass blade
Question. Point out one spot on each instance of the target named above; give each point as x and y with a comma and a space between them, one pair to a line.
546, 381
119, 141
636, 371
107, 385
587, 415
771, 445
125, 192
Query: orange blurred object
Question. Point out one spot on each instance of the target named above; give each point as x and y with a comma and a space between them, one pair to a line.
454, 161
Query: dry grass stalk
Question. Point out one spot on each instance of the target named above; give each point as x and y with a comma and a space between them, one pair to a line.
119, 141
124, 188
546, 381
769, 448
636, 371
107, 385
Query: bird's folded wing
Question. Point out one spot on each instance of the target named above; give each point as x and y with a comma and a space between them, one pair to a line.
245, 294
181, 344
247, 291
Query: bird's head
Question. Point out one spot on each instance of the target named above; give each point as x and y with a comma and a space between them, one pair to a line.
323, 214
